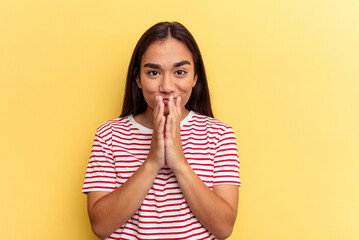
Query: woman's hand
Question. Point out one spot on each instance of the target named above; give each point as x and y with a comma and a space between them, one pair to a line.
216, 209
156, 156
173, 145
166, 145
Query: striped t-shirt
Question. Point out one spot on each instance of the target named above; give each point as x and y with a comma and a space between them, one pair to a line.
122, 145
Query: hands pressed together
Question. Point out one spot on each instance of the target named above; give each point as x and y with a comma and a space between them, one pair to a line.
216, 209
166, 145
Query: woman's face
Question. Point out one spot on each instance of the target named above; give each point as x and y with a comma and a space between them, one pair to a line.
167, 69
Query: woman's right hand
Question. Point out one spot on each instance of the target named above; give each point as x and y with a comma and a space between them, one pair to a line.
156, 156
108, 210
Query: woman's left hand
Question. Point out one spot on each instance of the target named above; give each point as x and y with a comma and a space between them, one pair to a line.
173, 145
216, 209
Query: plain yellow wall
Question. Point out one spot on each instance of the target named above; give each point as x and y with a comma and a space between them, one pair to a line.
284, 74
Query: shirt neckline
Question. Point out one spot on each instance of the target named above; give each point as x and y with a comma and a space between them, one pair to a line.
149, 130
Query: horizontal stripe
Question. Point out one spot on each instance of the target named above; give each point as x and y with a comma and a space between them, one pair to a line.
120, 148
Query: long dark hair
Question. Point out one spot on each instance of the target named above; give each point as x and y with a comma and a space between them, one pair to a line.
134, 102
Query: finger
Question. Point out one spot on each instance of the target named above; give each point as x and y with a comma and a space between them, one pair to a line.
178, 102
156, 107
161, 125
160, 114
170, 104
178, 106
167, 125
176, 110
172, 111
155, 113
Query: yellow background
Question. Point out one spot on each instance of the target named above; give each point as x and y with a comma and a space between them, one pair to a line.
284, 74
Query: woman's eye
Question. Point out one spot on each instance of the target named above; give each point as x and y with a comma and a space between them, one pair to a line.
180, 72
152, 73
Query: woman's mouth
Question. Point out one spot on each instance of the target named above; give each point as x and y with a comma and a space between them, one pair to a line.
167, 100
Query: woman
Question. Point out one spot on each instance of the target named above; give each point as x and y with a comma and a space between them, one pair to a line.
165, 169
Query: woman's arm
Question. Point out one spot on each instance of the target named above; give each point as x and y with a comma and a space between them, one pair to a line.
109, 211
216, 209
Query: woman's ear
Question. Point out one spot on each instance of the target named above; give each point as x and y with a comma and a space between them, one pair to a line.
138, 81
195, 80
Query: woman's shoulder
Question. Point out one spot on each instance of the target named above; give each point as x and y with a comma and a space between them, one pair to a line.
120, 123
203, 120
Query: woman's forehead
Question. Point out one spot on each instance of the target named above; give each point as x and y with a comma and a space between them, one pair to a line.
169, 51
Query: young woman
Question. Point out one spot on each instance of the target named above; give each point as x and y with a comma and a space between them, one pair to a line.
166, 169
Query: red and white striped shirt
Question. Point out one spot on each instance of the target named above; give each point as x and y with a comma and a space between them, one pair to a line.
122, 145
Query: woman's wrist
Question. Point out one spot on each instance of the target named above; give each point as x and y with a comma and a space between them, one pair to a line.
151, 165
181, 167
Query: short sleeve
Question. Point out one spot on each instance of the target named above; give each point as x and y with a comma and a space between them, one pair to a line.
226, 160
101, 172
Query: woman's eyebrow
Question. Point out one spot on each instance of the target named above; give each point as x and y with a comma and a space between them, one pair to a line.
152, 65
181, 63
158, 66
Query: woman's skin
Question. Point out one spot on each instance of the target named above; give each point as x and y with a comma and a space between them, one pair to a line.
166, 79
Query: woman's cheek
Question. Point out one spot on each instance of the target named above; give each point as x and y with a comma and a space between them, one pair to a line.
186, 97
149, 100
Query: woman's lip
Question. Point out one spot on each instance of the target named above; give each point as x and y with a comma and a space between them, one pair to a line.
166, 100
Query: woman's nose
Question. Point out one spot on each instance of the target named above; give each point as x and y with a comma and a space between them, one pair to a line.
167, 84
